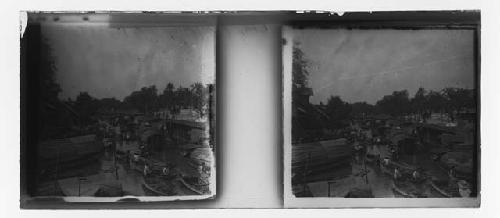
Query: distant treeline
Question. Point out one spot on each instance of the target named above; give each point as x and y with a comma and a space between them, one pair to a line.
336, 112
146, 100
56, 117
399, 103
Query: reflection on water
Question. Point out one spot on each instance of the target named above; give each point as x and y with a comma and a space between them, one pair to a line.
362, 177
111, 174
366, 176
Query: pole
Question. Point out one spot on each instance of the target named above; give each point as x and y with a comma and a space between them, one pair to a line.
78, 186
57, 168
306, 168
116, 169
329, 189
366, 171
114, 162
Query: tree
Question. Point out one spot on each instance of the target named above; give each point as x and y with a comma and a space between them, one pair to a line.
338, 111
458, 99
168, 99
86, 106
435, 101
182, 97
419, 103
49, 105
396, 104
109, 104
199, 95
362, 108
299, 67
144, 100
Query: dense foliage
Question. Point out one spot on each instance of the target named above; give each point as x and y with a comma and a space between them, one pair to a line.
337, 112
59, 116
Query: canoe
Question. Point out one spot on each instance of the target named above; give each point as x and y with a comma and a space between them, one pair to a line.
440, 190
398, 191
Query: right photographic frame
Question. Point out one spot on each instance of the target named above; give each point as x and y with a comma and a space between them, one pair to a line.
382, 110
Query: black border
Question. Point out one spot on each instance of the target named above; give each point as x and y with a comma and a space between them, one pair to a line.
416, 20
380, 19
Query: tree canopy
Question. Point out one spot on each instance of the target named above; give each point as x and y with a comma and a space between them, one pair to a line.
300, 73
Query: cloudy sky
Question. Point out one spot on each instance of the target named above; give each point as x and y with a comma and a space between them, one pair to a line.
113, 62
364, 65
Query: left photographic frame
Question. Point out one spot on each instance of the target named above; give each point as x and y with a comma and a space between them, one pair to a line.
118, 107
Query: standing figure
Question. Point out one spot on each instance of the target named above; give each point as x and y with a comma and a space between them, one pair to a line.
146, 170
397, 174
416, 175
452, 172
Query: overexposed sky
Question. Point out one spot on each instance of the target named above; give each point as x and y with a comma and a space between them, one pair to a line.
365, 65
112, 62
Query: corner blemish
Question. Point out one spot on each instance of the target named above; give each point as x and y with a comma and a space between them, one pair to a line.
339, 13
23, 18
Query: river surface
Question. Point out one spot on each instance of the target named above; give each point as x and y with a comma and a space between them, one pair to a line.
130, 180
366, 176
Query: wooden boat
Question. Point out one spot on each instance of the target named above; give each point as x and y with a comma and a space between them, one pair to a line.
197, 188
153, 191
407, 189
386, 170
398, 192
370, 158
83, 186
301, 191
452, 187
155, 185
464, 188
440, 190
158, 186
49, 189
109, 190
359, 193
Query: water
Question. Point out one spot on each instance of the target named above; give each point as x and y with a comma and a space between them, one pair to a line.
130, 180
369, 176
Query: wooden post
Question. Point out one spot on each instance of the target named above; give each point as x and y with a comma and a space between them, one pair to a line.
56, 175
78, 186
306, 168
116, 168
366, 171
328, 189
